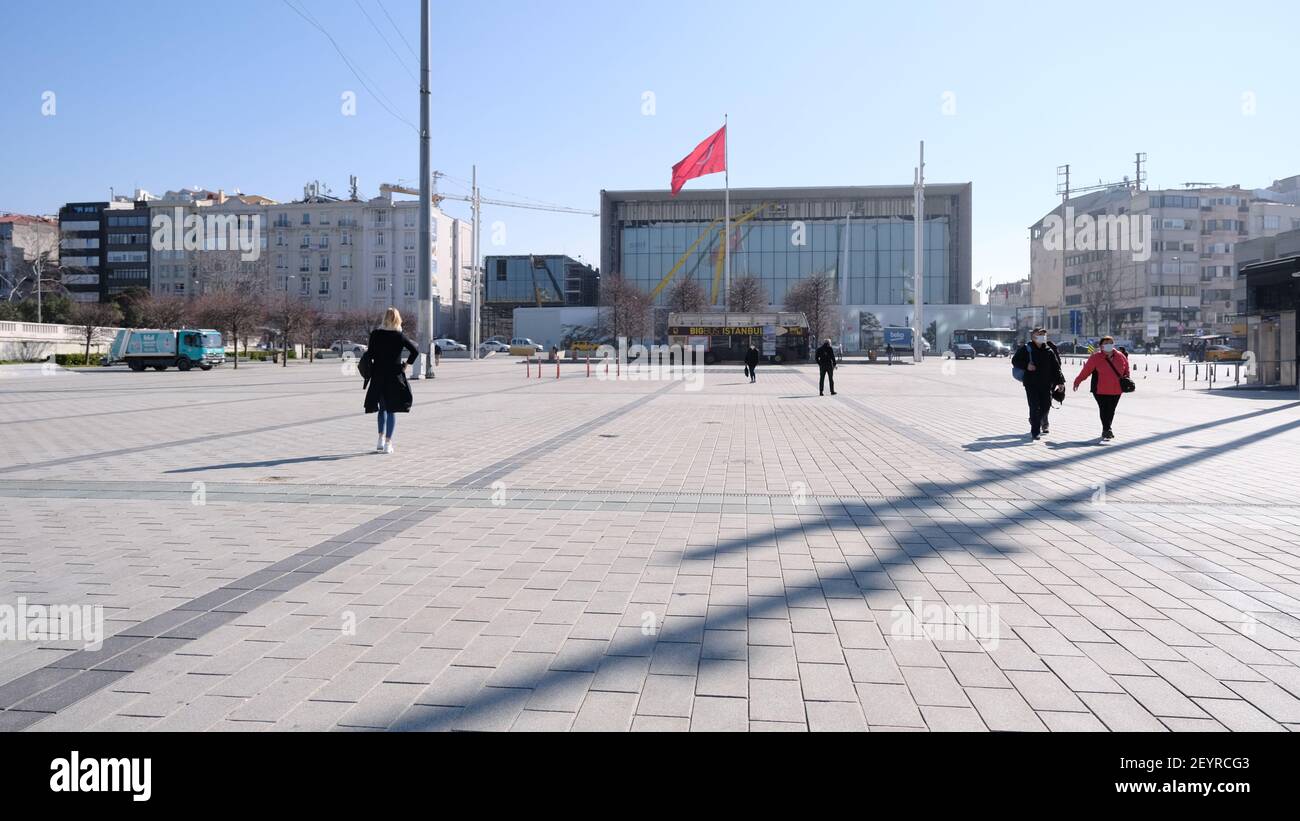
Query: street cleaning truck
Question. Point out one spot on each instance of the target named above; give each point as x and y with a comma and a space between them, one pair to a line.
187, 348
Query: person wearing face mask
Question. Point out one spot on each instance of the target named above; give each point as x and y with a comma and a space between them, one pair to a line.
1041, 364
1108, 368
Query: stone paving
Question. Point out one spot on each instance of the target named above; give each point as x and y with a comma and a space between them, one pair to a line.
580, 554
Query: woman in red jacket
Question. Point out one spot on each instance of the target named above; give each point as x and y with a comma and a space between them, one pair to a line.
1106, 366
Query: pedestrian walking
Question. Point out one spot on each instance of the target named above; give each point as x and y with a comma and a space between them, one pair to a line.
384, 371
826, 367
751, 363
437, 354
1038, 365
1109, 370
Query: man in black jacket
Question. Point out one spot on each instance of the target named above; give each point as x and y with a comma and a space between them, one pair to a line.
1041, 363
751, 363
826, 367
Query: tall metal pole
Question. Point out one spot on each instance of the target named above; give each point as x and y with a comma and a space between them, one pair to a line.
726, 236
473, 269
426, 206
918, 267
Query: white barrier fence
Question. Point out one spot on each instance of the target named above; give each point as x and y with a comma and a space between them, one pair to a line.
34, 341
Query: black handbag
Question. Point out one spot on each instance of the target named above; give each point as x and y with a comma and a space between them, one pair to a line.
1125, 384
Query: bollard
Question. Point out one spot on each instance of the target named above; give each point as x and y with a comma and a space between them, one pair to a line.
588, 366
528, 368
557, 367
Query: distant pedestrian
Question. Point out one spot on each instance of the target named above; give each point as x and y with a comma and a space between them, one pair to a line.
1040, 362
1109, 369
751, 363
826, 367
384, 371
437, 354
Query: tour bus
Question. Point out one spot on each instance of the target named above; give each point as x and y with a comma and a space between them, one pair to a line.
725, 337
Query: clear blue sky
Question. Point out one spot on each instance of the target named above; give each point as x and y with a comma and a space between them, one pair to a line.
546, 97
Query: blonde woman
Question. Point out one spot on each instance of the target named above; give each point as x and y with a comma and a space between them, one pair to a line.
387, 391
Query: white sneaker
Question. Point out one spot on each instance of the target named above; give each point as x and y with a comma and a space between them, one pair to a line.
388, 447
379, 446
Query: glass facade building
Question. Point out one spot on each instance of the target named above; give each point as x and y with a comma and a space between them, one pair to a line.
863, 237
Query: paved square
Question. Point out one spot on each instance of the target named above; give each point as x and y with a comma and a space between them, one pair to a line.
544, 554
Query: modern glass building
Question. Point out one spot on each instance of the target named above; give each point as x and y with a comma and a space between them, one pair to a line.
526, 281
862, 236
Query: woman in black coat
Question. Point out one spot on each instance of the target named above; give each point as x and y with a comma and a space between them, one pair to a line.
387, 390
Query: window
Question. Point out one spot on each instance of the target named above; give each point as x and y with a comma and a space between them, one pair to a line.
304, 285
306, 240
279, 261
345, 261
410, 262
304, 263
306, 219
128, 256
408, 240
325, 262
381, 285
324, 219
381, 262
324, 289
279, 238
346, 239
408, 286
324, 240
379, 238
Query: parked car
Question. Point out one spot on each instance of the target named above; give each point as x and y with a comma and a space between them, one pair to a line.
494, 346
962, 351
1222, 353
446, 345
990, 347
525, 342
344, 346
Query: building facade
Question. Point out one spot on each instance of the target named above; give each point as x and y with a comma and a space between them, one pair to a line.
529, 280
861, 236
1269, 273
23, 240
1179, 278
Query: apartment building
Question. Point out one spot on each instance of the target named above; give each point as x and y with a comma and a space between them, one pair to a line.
23, 240
1149, 265
199, 237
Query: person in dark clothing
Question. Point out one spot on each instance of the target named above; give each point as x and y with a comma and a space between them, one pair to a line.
751, 363
1041, 363
826, 367
387, 391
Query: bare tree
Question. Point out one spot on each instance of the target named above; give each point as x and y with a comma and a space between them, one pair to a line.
312, 323
93, 319
625, 308
1100, 291
166, 312
40, 271
748, 295
816, 297
288, 316
234, 312
688, 296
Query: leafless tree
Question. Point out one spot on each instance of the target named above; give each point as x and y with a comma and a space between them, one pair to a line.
625, 308
93, 319
166, 312
312, 324
287, 315
816, 297
40, 272
234, 308
748, 295
1100, 292
688, 296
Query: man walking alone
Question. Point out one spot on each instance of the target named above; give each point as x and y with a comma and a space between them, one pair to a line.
1041, 364
826, 367
751, 363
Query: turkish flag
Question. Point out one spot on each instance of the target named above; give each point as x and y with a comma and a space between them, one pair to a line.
709, 157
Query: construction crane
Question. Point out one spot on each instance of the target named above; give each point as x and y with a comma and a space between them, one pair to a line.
437, 198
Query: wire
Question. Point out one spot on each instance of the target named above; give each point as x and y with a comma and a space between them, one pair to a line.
355, 72
396, 29
379, 95
384, 37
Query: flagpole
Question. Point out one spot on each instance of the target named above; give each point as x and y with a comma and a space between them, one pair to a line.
726, 237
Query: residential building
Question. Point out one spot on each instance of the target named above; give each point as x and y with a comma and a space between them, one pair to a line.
231, 242
24, 239
1104, 273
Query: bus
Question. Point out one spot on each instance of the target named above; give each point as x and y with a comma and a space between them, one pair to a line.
725, 337
967, 336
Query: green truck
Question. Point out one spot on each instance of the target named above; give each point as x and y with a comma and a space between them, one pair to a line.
184, 349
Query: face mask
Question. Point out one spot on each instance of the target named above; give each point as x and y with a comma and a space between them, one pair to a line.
1041, 340
1107, 348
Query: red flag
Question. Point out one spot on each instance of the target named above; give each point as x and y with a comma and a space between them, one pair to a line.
709, 157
